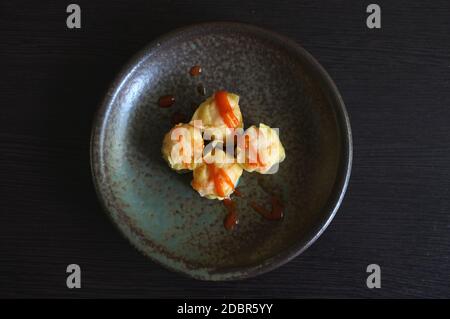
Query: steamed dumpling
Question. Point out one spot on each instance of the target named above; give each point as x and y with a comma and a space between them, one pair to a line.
217, 113
183, 147
218, 176
260, 150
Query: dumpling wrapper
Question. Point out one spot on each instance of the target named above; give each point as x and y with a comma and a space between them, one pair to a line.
218, 177
210, 121
263, 150
183, 147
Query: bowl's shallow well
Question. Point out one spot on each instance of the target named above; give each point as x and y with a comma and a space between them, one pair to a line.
281, 85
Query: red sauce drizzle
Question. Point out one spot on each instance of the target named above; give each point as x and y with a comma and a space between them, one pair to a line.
225, 109
220, 178
277, 209
166, 101
195, 70
237, 192
231, 220
251, 148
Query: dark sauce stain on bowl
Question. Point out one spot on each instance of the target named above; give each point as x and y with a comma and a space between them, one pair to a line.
166, 101
178, 117
276, 212
195, 70
201, 89
231, 219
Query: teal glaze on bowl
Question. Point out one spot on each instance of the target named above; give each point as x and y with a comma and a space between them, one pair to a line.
156, 209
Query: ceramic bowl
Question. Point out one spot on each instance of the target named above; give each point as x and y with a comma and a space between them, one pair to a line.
281, 85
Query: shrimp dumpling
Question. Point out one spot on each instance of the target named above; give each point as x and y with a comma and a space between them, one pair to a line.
183, 147
218, 176
260, 150
217, 113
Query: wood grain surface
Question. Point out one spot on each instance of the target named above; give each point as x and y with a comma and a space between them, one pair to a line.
395, 82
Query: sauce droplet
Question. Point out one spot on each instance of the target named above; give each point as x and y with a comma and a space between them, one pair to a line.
201, 89
276, 213
166, 101
237, 192
195, 70
178, 117
231, 220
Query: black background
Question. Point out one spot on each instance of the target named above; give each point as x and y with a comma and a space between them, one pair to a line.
396, 85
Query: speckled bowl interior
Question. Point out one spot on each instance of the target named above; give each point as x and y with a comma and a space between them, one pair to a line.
280, 85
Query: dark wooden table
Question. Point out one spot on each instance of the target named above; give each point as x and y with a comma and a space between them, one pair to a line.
396, 85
